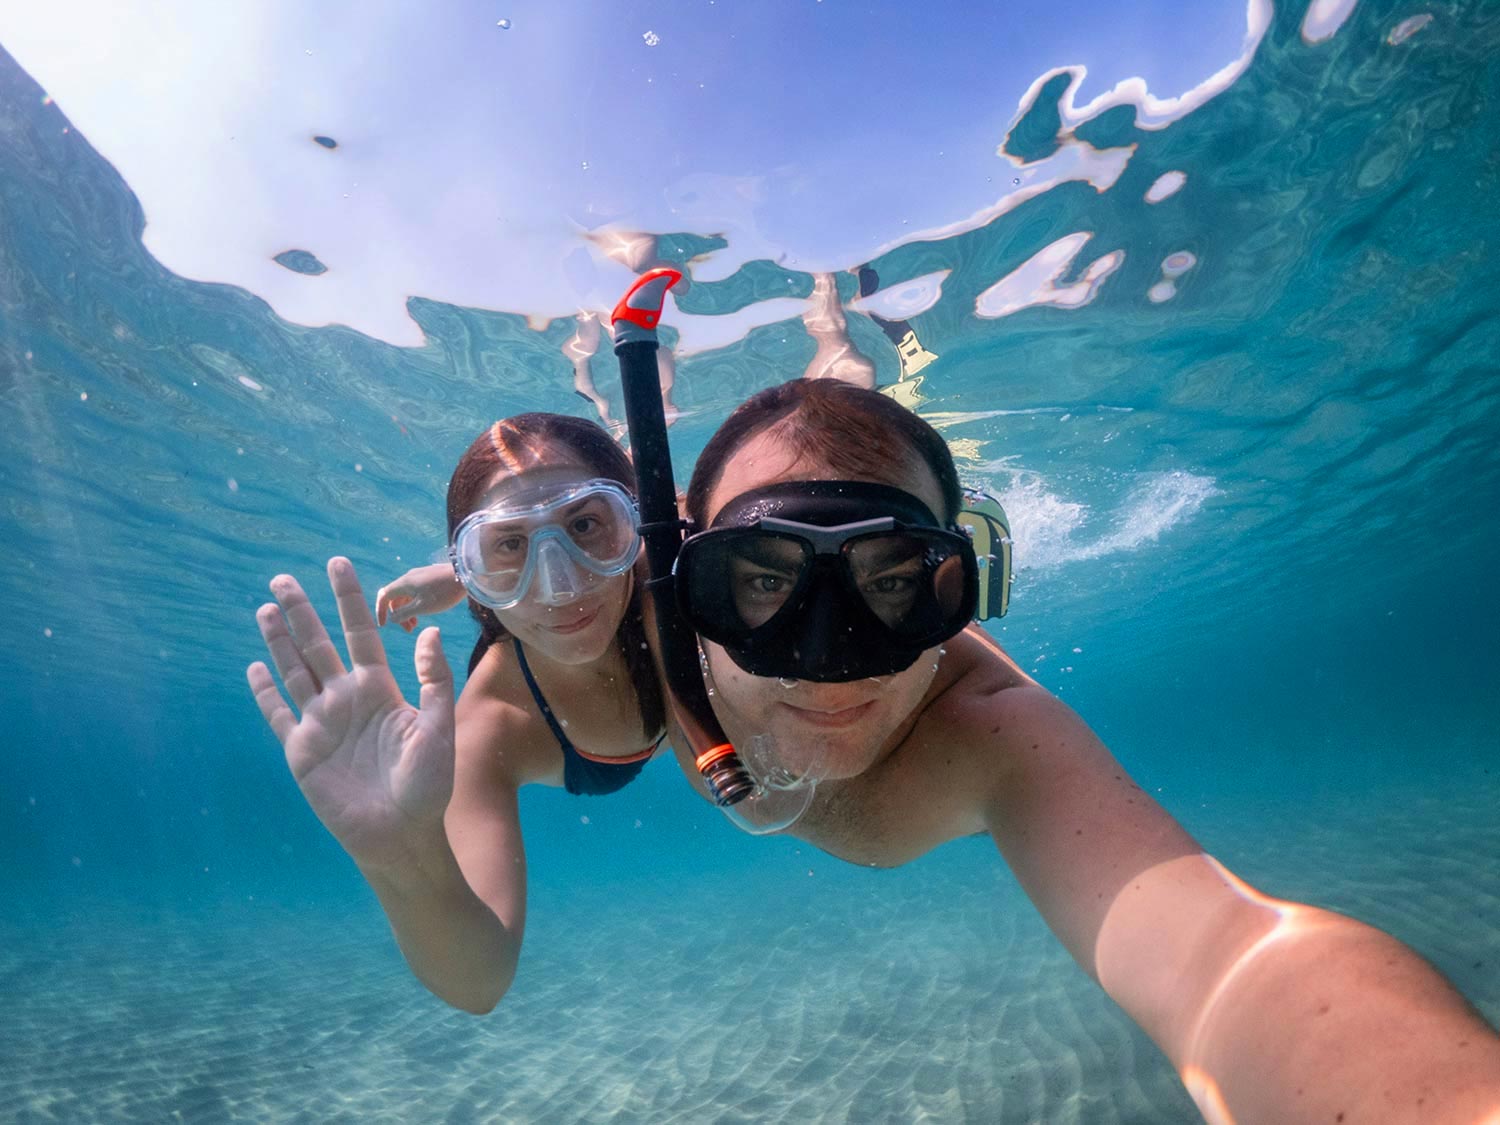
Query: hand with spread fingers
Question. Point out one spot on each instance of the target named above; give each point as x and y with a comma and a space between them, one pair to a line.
420, 592
377, 772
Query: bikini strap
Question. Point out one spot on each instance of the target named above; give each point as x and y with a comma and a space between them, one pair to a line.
541, 700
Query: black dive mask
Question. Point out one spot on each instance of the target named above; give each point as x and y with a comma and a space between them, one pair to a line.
828, 581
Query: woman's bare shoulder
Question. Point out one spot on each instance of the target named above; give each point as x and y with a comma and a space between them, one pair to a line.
500, 740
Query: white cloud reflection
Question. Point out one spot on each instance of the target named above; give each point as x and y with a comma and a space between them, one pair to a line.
477, 165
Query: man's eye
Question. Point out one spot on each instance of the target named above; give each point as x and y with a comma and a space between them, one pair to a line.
763, 582
583, 525
891, 584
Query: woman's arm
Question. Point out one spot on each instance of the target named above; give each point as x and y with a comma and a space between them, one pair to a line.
417, 819
459, 918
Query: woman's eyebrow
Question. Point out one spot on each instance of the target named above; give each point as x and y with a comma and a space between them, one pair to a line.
580, 504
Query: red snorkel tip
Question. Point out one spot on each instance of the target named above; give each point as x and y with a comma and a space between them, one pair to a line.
641, 305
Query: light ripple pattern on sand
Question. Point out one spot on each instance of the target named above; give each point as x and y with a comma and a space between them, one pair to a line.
932, 993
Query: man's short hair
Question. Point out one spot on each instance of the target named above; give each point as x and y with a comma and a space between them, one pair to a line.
836, 426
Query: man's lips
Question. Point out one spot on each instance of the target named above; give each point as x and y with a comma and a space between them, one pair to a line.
577, 625
833, 718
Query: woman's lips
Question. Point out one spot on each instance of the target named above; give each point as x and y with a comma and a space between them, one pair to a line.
575, 626
832, 720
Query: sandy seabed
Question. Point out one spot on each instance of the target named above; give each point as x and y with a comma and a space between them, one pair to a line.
929, 994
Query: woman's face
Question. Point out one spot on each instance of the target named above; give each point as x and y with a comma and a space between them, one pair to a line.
575, 627
849, 726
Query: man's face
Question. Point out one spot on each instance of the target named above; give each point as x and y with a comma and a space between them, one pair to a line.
850, 726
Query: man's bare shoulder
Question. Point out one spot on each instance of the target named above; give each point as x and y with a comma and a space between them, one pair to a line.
978, 687
998, 724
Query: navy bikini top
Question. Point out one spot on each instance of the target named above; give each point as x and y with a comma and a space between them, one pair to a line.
585, 773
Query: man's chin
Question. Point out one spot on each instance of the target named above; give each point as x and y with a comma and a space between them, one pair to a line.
826, 754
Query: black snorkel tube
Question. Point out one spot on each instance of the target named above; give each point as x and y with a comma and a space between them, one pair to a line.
635, 319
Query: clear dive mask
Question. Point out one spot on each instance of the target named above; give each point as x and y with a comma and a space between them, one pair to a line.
553, 544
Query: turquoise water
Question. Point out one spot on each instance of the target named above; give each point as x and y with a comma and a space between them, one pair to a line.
1256, 544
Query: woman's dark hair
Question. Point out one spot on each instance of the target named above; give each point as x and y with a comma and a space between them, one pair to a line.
513, 445
852, 431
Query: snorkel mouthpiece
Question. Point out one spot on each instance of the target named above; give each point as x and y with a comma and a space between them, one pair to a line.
724, 774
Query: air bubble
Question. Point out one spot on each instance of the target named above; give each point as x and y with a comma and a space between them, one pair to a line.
651, 38
786, 682
503, 25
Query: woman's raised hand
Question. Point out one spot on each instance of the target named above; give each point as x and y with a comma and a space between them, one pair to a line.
421, 591
377, 771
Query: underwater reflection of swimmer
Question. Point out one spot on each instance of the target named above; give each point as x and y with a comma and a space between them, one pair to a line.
909, 350
836, 357
580, 348
638, 252
583, 345
543, 537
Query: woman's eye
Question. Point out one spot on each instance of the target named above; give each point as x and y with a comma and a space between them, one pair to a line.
583, 525
511, 544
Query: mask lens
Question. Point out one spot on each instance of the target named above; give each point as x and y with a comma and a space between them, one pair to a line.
736, 583
602, 528
912, 581
763, 572
494, 556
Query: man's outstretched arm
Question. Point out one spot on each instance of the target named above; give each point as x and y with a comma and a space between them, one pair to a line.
1271, 1011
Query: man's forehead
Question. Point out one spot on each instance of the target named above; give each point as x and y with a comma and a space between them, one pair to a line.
766, 459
